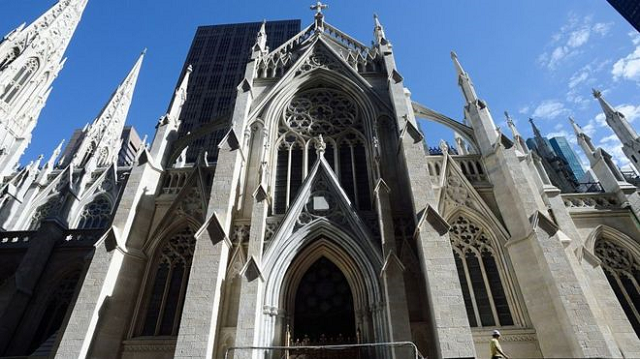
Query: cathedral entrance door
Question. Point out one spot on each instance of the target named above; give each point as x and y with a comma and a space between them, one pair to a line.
324, 311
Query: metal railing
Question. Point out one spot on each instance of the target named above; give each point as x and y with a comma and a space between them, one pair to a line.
289, 352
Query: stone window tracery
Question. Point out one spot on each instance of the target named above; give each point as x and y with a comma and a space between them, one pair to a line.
479, 274
20, 79
56, 309
96, 214
52, 206
334, 115
623, 272
169, 285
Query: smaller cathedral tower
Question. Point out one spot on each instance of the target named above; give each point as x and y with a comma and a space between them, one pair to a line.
30, 59
98, 143
622, 129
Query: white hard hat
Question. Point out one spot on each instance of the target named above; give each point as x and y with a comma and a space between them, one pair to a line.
496, 332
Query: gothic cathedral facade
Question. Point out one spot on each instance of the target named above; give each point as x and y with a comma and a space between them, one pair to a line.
318, 218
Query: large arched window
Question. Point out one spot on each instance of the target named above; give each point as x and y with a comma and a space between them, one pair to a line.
478, 270
96, 214
8, 59
56, 309
334, 115
623, 272
45, 210
169, 278
20, 79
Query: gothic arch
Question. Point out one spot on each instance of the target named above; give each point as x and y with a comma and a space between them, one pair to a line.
50, 308
95, 213
27, 70
157, 300
359, 261
472, 233
41, 210
619, 257
350, 151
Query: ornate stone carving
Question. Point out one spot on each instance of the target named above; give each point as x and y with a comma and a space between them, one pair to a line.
616, 257
320, 59
321, 204
321, 111
464, 234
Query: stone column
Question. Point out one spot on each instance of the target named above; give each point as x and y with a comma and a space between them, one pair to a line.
200, 314
556, 301
99, 320
444, 294
252, 282
395, 308
27, 276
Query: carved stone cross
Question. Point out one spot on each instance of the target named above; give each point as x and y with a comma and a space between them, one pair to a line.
318, 7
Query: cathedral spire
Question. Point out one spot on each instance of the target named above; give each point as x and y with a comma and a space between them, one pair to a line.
30, 59
517, 137
464, 81
378, 31
100, 140
541, 142
621, 127
476, 111
261, 40
616, 120
583, 139
179, 97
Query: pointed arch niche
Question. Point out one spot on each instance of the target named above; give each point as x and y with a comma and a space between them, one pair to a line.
285, 270
620, 256
488, 285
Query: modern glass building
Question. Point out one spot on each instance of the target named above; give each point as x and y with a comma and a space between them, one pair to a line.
218, 55
563, 149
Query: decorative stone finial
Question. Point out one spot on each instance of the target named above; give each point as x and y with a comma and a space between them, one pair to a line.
319, 17
321, 146
596, 93
444, 146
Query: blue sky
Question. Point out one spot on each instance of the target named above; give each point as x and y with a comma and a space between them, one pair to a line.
535, 58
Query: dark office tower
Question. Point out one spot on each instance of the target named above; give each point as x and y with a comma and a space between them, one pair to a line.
629, 9
218, 56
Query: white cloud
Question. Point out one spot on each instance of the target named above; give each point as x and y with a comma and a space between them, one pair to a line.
628, 67
590, 128
524, 110
572, 36
578, 78
600, 120
550, 109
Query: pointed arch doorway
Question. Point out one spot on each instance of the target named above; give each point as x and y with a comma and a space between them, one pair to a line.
323, 306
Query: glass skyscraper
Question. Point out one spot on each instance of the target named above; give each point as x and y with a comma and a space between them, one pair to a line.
563, 149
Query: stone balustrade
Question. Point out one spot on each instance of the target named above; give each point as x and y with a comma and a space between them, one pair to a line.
590, 201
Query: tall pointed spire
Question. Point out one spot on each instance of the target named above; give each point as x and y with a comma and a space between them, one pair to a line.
519, 141
261, 40
541, 142
583, 139
622, 128
180, 97
616, 120
30, 59
101, 139
378, 31
464, 81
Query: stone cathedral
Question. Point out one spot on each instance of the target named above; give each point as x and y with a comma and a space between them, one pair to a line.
317, 225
